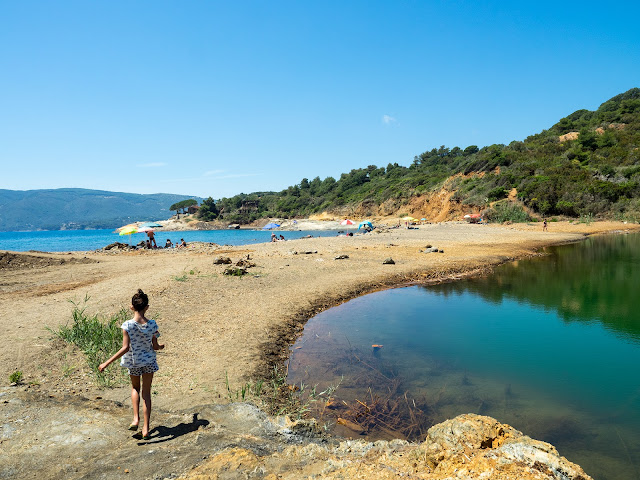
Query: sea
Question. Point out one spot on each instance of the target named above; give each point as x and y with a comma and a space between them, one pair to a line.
88, 240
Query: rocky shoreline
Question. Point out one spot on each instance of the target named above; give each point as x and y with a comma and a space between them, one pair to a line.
74, 437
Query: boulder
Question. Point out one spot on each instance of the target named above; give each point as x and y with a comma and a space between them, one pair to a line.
222, 261
235, 271
475, 443
388, 261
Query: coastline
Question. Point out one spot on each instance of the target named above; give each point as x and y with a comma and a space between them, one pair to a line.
246, 325
219, 327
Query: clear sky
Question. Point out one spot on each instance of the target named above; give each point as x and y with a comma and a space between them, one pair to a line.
213, 98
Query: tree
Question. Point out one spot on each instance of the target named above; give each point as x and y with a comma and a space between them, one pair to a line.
470, 150
208, 210
182, 205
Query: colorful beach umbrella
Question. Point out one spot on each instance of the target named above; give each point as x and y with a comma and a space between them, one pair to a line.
366, 222
346, 221
151, 225
269, 226
128, 230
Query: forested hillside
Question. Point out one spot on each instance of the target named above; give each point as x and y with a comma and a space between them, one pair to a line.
586, 164
75, 208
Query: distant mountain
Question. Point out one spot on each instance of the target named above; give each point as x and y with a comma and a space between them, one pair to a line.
77, 208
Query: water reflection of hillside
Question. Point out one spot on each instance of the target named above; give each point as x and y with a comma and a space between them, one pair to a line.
595, 279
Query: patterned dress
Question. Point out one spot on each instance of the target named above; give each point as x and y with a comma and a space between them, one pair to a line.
141, 357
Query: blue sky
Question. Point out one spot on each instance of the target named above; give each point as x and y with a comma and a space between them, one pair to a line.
214, 98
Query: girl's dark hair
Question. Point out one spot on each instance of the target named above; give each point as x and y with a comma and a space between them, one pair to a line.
140, 301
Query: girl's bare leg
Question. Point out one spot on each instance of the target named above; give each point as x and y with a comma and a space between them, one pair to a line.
135, 398
147, 378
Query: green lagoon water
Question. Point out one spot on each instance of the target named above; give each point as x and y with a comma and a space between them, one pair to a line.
550, 346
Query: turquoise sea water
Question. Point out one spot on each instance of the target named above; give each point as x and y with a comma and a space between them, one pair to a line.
550, 346
86, 240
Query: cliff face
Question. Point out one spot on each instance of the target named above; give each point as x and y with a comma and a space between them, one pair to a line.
468, 446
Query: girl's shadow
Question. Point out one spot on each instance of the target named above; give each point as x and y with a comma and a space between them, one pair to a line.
164, 434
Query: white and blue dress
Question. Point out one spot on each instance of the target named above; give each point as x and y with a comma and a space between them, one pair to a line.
141, 357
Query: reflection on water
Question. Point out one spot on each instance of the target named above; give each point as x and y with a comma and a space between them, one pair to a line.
595, 279
549, 346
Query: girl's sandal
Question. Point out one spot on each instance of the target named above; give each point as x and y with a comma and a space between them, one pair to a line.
133, 427
146, 437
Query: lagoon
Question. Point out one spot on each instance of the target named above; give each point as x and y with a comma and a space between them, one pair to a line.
550, 346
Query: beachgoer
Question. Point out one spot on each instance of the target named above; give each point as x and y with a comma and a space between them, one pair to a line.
139, 343
169, 244
148, 244
544, 226
182, 243
152, 239
281, 237
273, 237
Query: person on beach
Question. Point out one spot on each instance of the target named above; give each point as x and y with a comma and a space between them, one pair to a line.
544, 226
169, 244
139, 343
182, 244
152, 239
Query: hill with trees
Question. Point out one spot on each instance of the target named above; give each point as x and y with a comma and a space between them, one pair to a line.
587, 164
75, 208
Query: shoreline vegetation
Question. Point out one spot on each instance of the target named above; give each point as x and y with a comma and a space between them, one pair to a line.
223, 331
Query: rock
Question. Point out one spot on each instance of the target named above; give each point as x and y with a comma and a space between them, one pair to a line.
245, 263
117, 245
490, 446
341, 257
388, 261
235, 271
238, 440
470, 447
431, 249
222, 261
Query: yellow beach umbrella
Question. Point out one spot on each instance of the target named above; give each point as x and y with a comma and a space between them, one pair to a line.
128, 230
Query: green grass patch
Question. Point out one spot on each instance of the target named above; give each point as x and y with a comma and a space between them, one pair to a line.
98, 338
15, 377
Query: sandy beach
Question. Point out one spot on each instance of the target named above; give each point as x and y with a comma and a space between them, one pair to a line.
216, 325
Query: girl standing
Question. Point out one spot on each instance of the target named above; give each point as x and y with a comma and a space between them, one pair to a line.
139, 343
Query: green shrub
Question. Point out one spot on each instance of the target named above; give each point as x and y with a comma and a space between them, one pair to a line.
97, 338
496, 193
507, 212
